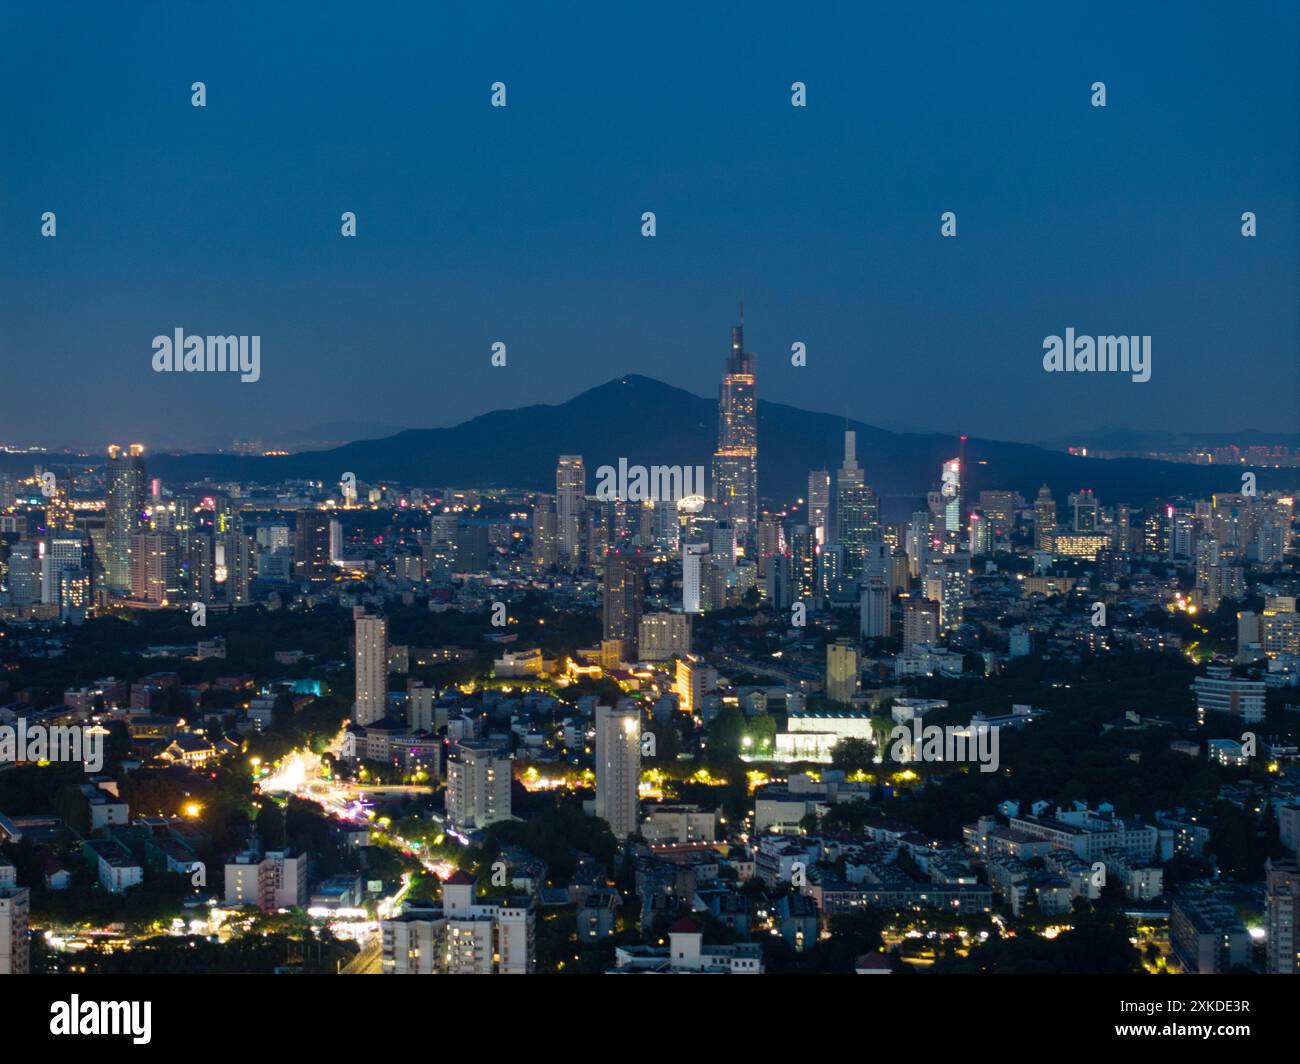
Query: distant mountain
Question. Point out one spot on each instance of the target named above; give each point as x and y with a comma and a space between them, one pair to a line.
652, 423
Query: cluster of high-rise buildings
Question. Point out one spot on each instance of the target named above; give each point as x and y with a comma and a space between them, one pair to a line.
966, 578
909, 579
141, 548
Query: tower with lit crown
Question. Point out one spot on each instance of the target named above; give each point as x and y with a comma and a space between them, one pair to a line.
735, 462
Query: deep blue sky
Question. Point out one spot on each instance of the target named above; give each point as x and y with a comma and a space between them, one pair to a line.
523, 224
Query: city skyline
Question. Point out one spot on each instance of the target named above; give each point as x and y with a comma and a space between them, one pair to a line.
586, 490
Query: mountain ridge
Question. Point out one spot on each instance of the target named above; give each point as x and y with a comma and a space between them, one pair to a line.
649, 422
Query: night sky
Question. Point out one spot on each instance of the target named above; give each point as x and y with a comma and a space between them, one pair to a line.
523, 224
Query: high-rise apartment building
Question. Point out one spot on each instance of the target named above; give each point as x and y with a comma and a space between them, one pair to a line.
920, 623
478, 785
947, 582
693, 556
1282, 916
311, 546
778, 585
662, 636
803, 562
123, 512
618, 766
819, 503
624, 598
570, 503
1123, 534
842, 667
232, 566
876, 592
546, 546
196, 566
155, 576
371, 667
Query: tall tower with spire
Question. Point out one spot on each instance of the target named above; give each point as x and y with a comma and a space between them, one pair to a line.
735, 462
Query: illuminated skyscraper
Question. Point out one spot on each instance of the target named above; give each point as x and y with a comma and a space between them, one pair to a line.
74, 594
693, 556
232, 563
545, 545
24, 576
123, 513
771, 543
735, 462
570, 501
819, 503
778, 583
1122, 532
371, 667
154, 567
624, 599
803, 562
876, 593
618, 766
1084, 506
833, 586
196, 574
948, 583
1044, 520
66, 551
999, 509
857, 513
311, 546
952, 498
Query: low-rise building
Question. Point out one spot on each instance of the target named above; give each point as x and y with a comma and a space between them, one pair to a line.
1206, 934
686, 952
276, 880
